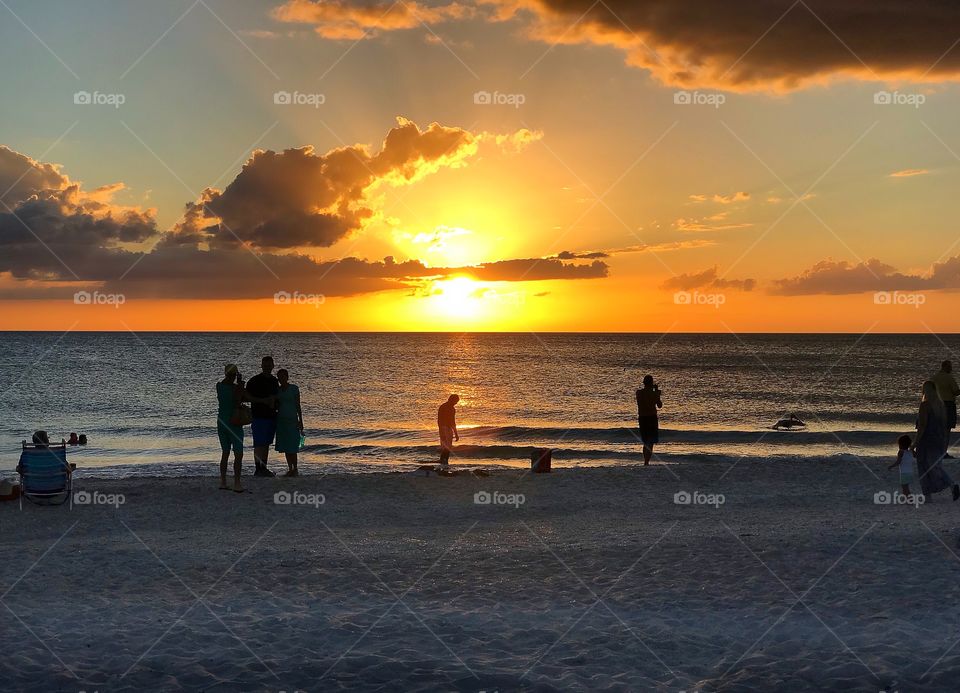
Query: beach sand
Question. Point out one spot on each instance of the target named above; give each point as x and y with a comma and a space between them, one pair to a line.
598, 580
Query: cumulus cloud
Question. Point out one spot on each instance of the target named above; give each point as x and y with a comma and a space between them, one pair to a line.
708, 278
50, 227
841, 277
22, 177
345, 20
299, 198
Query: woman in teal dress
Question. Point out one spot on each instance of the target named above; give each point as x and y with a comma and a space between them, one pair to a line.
289, 421
229, 396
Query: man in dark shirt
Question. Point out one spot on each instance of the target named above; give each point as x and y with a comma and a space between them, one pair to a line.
648, 401
447, 423
262, 389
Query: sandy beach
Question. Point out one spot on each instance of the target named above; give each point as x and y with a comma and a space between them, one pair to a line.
588, 579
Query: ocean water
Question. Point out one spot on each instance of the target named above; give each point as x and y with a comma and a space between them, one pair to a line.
147, 401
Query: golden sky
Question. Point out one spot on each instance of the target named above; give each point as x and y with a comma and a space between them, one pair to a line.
515, 165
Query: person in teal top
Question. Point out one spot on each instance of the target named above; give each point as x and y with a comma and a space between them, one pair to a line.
289, 421
229, 396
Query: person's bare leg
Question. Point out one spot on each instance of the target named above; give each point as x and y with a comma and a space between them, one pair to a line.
292, 464
647, 454
237, 471
905, 488
223, 468
260, 454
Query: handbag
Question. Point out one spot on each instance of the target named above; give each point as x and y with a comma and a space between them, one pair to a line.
242, 416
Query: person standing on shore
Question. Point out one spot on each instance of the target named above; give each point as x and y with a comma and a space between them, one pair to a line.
447, 424
230, 394
648, 402
948, 391
289, 421
931, 444
262, 390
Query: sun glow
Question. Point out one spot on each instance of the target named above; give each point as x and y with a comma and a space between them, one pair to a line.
458, 298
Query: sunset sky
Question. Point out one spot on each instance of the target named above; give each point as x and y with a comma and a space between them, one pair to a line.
523, 165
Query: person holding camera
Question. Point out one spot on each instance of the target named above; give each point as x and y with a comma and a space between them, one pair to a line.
648, 402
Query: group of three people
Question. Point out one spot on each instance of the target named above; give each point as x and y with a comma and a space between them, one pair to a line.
274, 414
936, 418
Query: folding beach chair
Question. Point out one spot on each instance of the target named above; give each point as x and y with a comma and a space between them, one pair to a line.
45, 477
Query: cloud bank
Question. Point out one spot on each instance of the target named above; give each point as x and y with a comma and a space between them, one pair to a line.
246, 241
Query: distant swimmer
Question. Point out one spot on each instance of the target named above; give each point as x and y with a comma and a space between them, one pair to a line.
789, 423
447, 424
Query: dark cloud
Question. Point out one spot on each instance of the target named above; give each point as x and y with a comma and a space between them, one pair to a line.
21, 177
536, 269
737, 45
707, 279
760, 45
50, 228
590, 255
298, 198
842, 277
58, 236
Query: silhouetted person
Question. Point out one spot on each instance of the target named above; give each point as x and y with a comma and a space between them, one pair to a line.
262, 391
73, 439
447, 424
230, 395
931, 444
289, 421
648, 402
948, 391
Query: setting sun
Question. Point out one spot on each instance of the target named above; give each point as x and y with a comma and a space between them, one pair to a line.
458, 298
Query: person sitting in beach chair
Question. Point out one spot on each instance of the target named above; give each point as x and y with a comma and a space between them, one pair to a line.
46, 478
